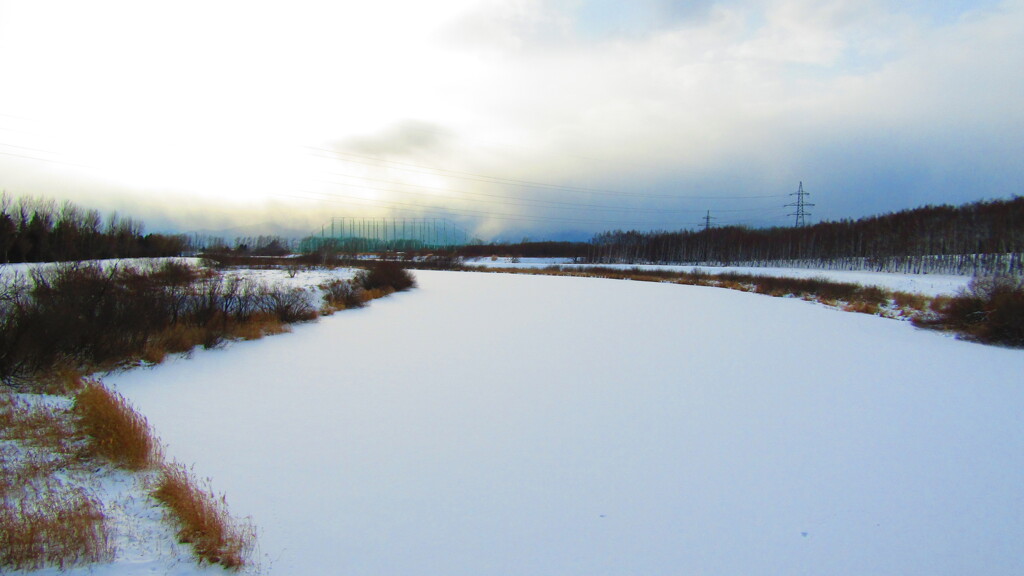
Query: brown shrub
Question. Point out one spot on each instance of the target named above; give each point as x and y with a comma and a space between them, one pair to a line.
203, 519
116, 431
342, 295
939, 303
911, 301
385, 274
990, 310
290, 306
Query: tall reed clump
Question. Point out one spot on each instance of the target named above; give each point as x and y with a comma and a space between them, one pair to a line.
203, 519
59, 527
122, 435
116, 431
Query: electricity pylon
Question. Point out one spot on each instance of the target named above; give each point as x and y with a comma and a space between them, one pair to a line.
801, 205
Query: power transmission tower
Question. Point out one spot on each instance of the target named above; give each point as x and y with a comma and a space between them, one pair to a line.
707, 220
801, 205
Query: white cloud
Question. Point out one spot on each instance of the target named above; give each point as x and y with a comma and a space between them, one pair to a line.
218, 100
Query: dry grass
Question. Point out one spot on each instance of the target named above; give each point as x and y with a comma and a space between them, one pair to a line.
862, 307
203, 519
40, 440
176, 339
116, 431
43, 521
180, 338
35, 425
910, 300
53, 526
375, 293
257, 326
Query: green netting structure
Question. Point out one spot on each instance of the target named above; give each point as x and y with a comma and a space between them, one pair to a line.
349, 234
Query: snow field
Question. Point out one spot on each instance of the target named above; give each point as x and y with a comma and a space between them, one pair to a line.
927, 284
502, 424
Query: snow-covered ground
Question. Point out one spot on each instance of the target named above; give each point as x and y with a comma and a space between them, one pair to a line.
927, 284
143, 542
505, 424
25, 268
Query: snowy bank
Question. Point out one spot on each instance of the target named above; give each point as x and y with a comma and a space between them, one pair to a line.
927, 284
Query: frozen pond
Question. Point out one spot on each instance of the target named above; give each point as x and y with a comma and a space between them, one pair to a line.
491, 424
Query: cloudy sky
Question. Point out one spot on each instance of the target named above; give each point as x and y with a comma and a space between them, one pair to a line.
510, 117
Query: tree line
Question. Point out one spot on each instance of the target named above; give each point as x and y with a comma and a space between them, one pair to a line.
41, 230
262, 245
981, 237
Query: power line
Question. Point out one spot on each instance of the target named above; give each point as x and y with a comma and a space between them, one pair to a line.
448, 212
45, 159
517, 201
476, 177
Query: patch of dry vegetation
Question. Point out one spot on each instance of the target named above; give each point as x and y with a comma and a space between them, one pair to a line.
342, 295
45, 521
55, 526
990, 310
76, 318
203, 519
49, 516
115, 430
386, 276
86, 318
841, 295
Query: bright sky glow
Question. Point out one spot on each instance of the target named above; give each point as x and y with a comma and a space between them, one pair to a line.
511, 117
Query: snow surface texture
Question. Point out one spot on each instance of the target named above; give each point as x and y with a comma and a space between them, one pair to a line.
499, 424
927, 284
